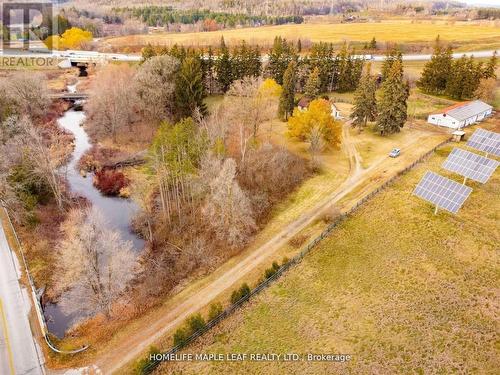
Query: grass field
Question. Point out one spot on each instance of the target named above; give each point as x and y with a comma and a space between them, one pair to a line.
401, 290
484, 35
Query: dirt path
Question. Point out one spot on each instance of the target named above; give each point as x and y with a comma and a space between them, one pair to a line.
351, 151
223, 279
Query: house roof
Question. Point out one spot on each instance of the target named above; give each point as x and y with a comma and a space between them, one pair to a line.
304, 102
465, 110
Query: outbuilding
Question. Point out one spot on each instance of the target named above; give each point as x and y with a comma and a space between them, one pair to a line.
461, 115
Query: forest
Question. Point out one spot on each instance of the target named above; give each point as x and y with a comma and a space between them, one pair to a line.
166, 15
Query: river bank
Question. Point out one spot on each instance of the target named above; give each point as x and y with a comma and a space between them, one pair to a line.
118, 212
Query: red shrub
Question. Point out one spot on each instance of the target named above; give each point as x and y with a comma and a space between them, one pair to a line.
109, 181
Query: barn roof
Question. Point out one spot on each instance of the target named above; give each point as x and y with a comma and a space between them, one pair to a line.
465, 110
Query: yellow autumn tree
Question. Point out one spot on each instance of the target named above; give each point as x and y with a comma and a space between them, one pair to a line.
73, 38
270, 89
53, 42
316, 120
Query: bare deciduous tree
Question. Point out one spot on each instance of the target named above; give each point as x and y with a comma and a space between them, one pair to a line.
227, 209
24, 94
96, 264
486, 90
112, 100
155, 85
43, 156
10, 155
142, 192
247, 105
269, 174
316, 144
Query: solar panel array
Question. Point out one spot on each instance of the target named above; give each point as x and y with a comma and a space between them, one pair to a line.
484, 140
470, 165
443, 192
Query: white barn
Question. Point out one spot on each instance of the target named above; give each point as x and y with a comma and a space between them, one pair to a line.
461, 115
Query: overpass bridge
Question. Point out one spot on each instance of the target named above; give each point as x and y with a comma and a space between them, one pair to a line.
70, 96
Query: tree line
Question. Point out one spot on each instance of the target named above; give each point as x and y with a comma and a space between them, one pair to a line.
459, 78
165, 15
338, 70
488, 13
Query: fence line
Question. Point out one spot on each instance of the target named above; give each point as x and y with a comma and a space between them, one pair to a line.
289, 264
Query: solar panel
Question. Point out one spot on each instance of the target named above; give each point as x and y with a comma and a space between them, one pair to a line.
470, 165
443, 192
484, 140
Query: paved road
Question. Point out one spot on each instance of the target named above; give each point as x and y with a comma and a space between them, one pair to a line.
19, 354
90, 56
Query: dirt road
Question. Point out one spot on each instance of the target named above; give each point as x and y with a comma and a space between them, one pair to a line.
191, 300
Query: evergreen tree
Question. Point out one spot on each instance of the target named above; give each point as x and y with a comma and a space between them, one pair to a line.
365, 102
349, 70
465, 78
373, 44
287, 98
148, 52
356, 71
254, 62
246, 61
437, 71
322, 57
490, 69
223, 67
392, 108
189, 89
392, 55
313, 84
238, 61
280, 56
209, 70
180, 53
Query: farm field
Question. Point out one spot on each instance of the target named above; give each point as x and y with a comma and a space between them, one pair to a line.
396, 287
484, 36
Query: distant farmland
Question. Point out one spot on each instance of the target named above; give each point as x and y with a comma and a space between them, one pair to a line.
485, 35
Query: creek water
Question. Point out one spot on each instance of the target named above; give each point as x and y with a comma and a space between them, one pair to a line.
118, 212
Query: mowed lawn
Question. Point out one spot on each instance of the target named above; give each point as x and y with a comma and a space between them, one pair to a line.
385, 31
398, 288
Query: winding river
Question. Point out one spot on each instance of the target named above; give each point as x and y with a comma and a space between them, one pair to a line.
118, 212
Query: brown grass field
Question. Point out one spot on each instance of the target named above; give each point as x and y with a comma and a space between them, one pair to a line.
396, 287
475, 35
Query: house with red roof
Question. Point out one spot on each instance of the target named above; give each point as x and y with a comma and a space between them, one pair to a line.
461, 115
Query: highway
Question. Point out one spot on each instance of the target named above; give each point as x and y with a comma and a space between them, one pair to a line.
91, 56
19, 353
